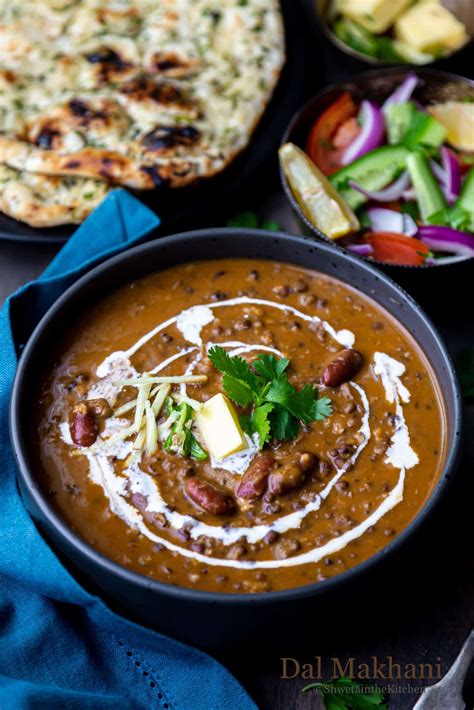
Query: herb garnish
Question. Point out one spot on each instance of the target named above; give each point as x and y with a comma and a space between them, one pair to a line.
348, 694
181, 440
249, 220
278, 408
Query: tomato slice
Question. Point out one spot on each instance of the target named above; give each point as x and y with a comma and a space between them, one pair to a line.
319, 145
346, 133
397, 248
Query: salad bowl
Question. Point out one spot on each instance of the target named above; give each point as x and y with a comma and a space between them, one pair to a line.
421, 89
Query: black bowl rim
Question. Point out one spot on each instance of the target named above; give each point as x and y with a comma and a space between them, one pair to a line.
100, 561
424, 73
321, 17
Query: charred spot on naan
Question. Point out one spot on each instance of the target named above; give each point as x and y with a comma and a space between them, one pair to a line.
48, 138
164, 139
174, 65
8, 76
79, 121
111, 66
146, 91
101, 114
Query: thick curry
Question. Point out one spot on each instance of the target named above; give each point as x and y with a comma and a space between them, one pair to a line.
147, 456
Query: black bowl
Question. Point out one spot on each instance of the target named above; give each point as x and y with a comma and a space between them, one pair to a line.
202, 618
377, 85
322, 9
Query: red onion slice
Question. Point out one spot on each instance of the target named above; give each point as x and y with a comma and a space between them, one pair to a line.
447, 239
403, 93
360, 249
389, 194
409, 195
383, 220
438, 171
449, 247
452, 172
370, 137
448, 175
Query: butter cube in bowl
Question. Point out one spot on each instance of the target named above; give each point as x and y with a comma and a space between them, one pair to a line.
382, 32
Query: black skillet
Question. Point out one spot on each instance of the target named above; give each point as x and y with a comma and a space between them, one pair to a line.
176, 207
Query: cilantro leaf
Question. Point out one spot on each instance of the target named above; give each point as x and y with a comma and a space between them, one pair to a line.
244, 219
235, 367
301, 404
271, 225
269, 367
280, 391
284, 426
348, 694
250, 219
261, 423
321, 408
238, 390
246, 424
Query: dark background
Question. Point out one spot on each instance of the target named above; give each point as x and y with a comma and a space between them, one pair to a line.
419, 607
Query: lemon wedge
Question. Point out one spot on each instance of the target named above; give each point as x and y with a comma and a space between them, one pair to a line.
320, 202
458, 119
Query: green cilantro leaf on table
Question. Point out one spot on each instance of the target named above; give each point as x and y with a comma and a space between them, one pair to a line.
249, 220
278, 408
466, 372
348, 694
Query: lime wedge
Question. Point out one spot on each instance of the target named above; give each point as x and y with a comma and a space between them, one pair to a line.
320, 202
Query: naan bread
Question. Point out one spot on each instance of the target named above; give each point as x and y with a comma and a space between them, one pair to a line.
48, 200
136, 92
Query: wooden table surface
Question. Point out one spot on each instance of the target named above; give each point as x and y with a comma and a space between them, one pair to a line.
418, 613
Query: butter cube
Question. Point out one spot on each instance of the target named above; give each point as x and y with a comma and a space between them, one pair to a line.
219, 426
430, 27
375, 15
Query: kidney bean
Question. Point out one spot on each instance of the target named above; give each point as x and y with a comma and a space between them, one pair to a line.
254, 481
208, 497
292, 475
83, 425
342, 368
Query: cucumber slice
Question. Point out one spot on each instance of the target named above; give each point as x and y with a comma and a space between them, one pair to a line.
466, 198
424, 130
398, 118
429, 197
372, 171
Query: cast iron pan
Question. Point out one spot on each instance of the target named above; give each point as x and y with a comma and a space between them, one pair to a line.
421, 281
176, 207
202, 618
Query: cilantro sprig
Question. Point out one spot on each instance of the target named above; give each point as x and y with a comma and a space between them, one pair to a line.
277, 408
347, 694
250, 220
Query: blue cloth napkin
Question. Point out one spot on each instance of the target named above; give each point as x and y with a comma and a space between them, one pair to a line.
61, 647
